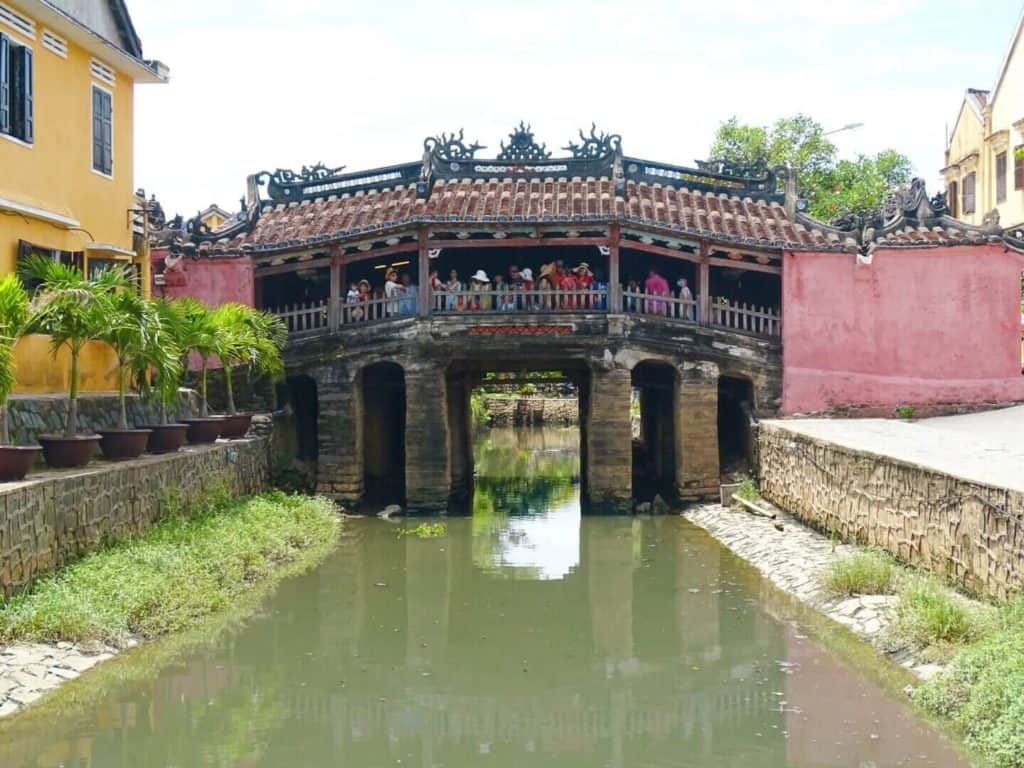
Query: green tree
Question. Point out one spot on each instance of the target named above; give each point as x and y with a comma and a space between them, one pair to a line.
832, 187
14, 319
247, 337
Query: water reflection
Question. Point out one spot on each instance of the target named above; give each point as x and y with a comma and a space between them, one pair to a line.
526, 502
656, 648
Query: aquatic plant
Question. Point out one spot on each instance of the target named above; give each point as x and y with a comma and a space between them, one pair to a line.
425, 531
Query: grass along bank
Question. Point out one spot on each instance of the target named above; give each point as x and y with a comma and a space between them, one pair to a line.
195, 562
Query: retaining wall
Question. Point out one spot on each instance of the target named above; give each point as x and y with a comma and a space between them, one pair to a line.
966, 531
55, 517
527, 411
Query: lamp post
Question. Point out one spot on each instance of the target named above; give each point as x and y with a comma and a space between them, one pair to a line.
847, 127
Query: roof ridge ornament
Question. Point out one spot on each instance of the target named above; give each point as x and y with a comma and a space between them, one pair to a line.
281, 182
451, 147
522, 146
596, 145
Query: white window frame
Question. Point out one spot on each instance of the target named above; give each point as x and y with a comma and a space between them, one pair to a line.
92, 132
9, 137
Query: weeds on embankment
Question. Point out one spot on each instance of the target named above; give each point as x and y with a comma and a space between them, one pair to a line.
188, 566
870, 572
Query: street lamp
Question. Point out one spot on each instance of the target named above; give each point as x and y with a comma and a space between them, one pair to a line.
847, 127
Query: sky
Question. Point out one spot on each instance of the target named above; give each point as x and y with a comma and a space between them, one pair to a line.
264, 84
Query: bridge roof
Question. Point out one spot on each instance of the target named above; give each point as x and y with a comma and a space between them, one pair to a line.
595, 184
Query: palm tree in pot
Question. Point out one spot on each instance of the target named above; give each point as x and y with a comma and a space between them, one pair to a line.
133, 332
246, 337
159, 373
199, 334
72, 310
15, 460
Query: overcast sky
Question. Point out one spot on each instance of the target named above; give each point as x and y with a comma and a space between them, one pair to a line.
360, 84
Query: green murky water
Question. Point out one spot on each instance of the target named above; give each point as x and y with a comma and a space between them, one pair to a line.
526, 637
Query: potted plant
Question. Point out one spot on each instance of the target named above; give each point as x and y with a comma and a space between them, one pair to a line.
246, 337
15, 460
72, 310
132, 331
199, 335
159, 374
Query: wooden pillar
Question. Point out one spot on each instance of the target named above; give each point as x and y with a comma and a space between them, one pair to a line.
423, 297
334, 302
697, 470
427, 466
704, 286
614, 278
609, 433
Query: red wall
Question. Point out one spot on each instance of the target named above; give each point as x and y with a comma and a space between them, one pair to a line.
915, 326
213, 281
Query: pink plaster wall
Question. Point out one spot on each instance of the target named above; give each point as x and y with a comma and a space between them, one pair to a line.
213, 281
916, 326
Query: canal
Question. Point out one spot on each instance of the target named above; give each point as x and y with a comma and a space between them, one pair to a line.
526, 636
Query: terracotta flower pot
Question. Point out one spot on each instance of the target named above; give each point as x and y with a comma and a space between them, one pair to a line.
65, 452
236, 426
203, 430
166, 438
16, 461
121, 444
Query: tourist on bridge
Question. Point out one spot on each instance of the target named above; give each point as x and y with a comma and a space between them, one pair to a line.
409, 294
545, 285
656, 285
480, 286
633, 288
392, 291
566, 282
584, 280
454, 287
504, 299
685, 295
357, 313
526, 286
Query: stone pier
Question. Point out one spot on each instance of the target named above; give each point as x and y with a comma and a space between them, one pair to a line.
697, 471
609, 442
427, 468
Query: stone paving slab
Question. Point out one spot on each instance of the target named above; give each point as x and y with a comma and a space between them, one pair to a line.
29, 670
792, 560
985, 447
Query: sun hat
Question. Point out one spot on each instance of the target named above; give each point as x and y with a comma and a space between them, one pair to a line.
481, 277
583, 267
366, 283
547, 269
527, 274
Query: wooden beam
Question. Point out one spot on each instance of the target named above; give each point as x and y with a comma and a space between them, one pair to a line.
747, 265
389, 250
614, 279
292, 266
423, 296
521, 242
660, 250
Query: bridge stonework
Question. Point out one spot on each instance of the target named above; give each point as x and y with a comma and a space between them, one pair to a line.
441, 359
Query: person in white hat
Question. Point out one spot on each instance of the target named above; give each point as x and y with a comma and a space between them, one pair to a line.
479, 283
526, 283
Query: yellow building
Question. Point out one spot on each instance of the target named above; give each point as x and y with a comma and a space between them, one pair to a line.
68, 70
985, 157
214, 217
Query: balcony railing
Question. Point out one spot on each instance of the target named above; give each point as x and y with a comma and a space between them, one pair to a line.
317, 317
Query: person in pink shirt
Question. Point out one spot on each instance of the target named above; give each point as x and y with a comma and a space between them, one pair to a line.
656, 285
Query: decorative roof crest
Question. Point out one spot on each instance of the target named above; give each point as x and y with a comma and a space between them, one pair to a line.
451, 147
596, 145
522, 146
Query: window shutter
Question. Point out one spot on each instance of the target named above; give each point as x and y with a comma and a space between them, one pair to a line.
1018, 167
108, 131
953, 198
24, 129
5, 84
968, 193
97, 131
1001, 177
102, 131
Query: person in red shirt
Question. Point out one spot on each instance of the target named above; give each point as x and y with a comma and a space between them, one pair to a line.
567, 282
584, 279
656, 285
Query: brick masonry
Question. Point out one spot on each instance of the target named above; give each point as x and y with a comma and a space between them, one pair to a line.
55, 517
966, 531
533, 411
697, 470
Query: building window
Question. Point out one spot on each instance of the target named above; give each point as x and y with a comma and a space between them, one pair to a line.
1018, 167
27, 250
102, 131
1001, 177
953, 197
968, 193
16, 90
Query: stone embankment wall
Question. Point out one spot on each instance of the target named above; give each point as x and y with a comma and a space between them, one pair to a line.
533, 411
966, 531
34, 415
54, 517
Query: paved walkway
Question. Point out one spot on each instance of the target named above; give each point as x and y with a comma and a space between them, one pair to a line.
985, 447
28, 670
793, 559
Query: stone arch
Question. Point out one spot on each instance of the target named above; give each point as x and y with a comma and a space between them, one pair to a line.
736, 408
301, 394
653, 389
382, 387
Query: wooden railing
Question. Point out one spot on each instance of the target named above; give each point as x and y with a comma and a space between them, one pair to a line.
499, 302
746, 318
316, 317
303, 318
636, 303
